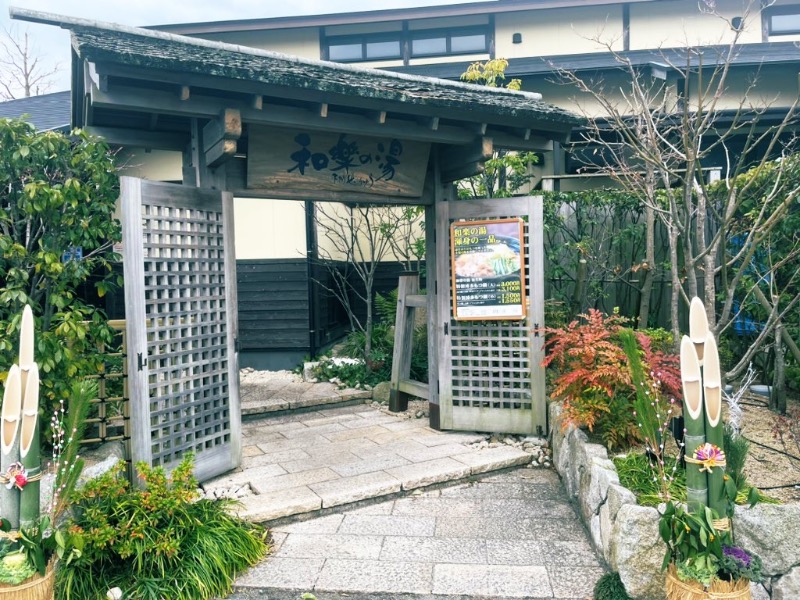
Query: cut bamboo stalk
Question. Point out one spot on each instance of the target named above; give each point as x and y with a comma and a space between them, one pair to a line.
25, 345
30, 451
9, 444
694, 422
712, 399
698, 327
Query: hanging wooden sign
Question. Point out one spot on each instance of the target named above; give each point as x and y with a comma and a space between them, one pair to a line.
488, 269
336, 162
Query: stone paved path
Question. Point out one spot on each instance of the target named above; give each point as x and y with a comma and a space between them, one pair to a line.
284, 393
316, 460
507, 535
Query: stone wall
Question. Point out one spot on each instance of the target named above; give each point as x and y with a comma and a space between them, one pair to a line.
626, 534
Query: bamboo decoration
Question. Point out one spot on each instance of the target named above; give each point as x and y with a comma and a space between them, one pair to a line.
9, 445
695, 436
698, 327
712, 398
29, 450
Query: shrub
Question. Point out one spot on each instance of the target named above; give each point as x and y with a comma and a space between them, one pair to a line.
158, 541
593, 379
610, 587
57, 230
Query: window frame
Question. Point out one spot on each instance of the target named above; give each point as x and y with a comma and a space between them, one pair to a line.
449, 33
364, 39
773, 11
405, 39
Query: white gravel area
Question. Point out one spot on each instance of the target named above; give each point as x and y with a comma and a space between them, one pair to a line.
250, 375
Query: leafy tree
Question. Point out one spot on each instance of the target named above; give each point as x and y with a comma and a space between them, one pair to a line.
57, 229
506, 172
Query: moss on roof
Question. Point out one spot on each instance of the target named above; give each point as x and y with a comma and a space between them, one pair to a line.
168, 52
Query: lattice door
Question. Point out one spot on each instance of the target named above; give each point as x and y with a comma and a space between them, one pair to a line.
490, 374
180, 305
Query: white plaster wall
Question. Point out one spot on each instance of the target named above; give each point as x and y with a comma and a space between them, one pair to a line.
680, 23
302, 42
156, 165
561, 31
269, 228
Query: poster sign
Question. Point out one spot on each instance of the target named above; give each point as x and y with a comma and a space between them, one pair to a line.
488, 266
308, 160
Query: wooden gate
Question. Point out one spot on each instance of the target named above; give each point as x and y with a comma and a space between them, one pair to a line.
180, 304
490, 373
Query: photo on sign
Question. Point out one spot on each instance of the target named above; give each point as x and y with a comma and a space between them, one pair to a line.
488, 269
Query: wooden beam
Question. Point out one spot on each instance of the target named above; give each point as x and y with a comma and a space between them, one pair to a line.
149, 101
453, 158
220, 135
348, 196
534, 143
463, 171
221, 152
227, 126
137, 137
184, 93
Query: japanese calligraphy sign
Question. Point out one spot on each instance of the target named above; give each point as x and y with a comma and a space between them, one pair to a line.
335, 162
488, 267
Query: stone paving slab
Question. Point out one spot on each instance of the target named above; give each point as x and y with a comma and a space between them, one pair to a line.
329, 457
404, 548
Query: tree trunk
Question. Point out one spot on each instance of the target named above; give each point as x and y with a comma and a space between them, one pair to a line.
650, 269
777, 397
676, 286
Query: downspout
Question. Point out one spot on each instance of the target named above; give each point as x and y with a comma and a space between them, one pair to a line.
311, 257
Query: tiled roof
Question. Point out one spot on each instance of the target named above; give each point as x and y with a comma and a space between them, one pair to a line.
45, 112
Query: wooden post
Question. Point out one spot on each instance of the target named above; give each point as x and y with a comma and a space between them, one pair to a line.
404, 340
536, 313
432, 311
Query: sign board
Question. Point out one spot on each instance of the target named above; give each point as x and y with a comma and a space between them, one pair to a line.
306, 160
488, 267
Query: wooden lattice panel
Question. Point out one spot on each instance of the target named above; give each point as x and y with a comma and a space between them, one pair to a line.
180, 304
490, 373
186, 330
491, 365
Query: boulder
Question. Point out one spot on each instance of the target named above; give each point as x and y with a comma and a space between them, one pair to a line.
101, 460
597, 475
380, 393
636, 552
788, 586
758, 592
771, 531
616, 497
308, 371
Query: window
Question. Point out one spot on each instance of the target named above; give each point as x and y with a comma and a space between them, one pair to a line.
408, 44
470, 40
784, 20
365, 47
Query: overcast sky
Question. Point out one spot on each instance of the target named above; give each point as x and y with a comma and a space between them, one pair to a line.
52, 43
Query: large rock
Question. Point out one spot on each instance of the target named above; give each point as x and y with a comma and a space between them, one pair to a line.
99, 461
788, 586
616, 497
636, 552
380, 393
597, 474
772, 532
